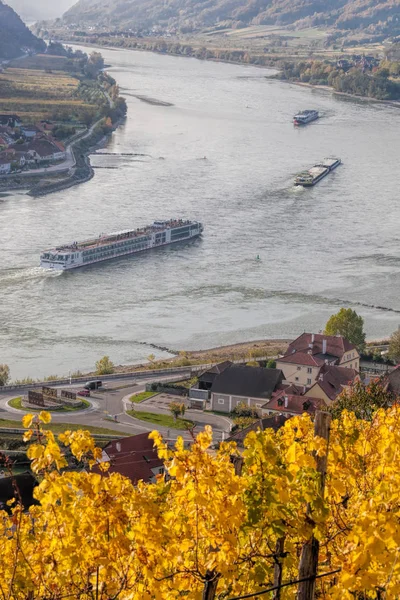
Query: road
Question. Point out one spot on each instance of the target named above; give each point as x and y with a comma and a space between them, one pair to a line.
113, 401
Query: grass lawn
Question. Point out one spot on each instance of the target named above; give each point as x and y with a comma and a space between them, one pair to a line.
142, 396
61, 427
164, 420
17, 403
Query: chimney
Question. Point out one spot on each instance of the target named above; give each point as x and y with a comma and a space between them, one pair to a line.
118, 446
323, 346
286, 401
312, 338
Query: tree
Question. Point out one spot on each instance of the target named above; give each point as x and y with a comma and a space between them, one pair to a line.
271, 364
104, 366
394, 346
177, 409
4, 374
349, 325
362, 400
151, 358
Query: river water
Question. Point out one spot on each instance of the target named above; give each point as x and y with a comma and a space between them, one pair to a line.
322, 248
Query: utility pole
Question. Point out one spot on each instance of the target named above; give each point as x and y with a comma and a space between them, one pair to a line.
309, 554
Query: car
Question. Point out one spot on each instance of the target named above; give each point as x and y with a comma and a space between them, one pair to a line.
93, 385
85, 393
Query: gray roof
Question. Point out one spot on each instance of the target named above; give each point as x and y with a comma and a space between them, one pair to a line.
250, 382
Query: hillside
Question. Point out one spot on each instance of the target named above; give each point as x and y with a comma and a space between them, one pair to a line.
40, 9
15, 37
375, 16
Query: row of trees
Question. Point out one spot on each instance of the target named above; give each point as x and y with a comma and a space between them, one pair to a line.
355, 81
210, 530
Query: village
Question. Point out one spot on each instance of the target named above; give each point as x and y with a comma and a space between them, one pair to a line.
25, 147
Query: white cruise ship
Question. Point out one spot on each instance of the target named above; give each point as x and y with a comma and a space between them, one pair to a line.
121, 243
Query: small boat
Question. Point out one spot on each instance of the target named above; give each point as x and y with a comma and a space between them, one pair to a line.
306, 116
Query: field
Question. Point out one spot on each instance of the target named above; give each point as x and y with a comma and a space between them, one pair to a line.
41, 62
37, 95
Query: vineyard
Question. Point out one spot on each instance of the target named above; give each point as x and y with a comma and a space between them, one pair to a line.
311, 511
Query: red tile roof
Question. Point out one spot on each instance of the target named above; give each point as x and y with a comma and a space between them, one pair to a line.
335, 344
332, 379
133, 457
302, 358
293, 404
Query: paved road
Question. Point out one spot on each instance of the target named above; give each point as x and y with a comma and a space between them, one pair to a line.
112, 401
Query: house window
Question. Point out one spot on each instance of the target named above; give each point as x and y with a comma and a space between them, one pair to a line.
221, 401
296, 378
299, 368
309, 369
308, 381
351, 365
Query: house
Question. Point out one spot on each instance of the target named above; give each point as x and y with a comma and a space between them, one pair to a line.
307, 354
391, 381
10, 120
274, 422
200, 393
40, 150
134, 457
238, 384
25, 483
30, 131
207, 378
5, 166
331, 382
290, 405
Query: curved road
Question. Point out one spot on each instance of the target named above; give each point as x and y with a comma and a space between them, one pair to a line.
113, 401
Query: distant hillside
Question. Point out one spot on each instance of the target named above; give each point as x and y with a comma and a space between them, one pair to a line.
15, 36
40, 9
371, 15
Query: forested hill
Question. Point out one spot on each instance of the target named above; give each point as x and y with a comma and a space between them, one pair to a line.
373, 15
15, 37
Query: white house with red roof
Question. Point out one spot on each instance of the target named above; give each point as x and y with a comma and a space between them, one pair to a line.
307, 354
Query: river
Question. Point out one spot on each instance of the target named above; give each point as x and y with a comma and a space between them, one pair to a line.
225, 152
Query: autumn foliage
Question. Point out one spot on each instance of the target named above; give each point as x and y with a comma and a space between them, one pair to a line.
95, 536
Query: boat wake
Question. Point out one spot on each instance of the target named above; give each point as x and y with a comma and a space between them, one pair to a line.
12, 276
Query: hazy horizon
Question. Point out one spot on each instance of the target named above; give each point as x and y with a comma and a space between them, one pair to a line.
31, 10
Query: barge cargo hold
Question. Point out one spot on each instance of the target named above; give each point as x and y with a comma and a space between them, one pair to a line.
317, 172
120, 243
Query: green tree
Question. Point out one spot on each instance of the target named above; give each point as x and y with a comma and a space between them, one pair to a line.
271, 364
177, 409
104, 366
4, 374
349, 325
362, 399
394, 346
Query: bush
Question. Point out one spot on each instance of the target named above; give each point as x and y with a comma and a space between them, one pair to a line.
104, 366
4, 374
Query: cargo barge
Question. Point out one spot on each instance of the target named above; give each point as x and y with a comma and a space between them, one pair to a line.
317, 172
306, 116
120, 243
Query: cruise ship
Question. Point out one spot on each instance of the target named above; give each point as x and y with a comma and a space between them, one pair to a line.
317, 172
121, 243
302, 118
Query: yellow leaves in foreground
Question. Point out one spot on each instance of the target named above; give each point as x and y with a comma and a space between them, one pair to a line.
94, 535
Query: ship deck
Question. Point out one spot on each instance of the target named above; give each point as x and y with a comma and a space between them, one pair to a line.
120, 236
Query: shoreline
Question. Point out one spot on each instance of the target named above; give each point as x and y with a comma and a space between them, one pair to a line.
326, 88
51, 185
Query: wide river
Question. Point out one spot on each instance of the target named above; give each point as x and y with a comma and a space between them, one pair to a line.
224, 153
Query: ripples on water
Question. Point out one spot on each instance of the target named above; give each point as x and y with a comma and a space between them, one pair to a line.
332, 245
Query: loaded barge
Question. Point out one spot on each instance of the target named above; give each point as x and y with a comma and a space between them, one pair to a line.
317, 172
121, 243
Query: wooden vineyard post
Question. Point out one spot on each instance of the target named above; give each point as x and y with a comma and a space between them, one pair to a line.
309, 554
278, 568
210, 586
